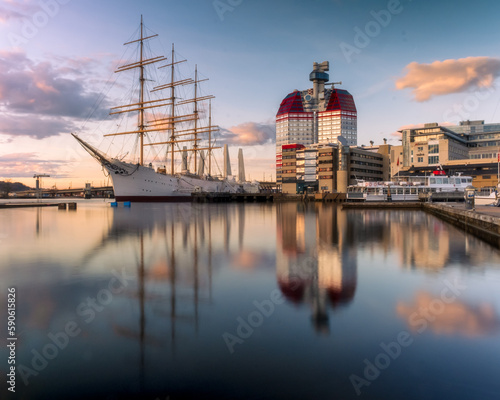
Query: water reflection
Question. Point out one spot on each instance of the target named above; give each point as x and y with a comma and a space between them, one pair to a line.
420, 240
351, 280
449, 317
314, 264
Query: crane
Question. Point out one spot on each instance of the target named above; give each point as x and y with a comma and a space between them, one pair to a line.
38, 182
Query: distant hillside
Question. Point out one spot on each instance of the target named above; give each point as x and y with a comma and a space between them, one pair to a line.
12, 187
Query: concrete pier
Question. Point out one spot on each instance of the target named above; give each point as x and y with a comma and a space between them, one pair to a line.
383, 205
27, 205
483, 222
60, 206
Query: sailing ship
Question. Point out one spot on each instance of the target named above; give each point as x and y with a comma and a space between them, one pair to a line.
139, 180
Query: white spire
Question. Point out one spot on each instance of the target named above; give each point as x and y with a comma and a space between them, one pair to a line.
227, 162
241, 166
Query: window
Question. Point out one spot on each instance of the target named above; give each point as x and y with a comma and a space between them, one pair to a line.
420, 159
433, 149
433, 159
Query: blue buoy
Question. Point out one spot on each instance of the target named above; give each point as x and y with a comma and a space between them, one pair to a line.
127, 203
114, 204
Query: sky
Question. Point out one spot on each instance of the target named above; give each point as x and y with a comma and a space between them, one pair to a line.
405, 62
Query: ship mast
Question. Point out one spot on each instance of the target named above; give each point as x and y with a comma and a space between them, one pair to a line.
210, 138
141, 105
168, 123
195, 112
141, 96
172, 110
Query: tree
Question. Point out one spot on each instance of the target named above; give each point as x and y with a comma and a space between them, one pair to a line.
6, 188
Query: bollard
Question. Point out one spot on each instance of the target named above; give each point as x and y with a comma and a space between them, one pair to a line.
469, 196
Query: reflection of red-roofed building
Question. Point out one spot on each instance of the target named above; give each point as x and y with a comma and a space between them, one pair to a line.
293, 289
324, 273
342, 295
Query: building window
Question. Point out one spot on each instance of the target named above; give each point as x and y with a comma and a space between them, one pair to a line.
433, 159
433, 149
420, 159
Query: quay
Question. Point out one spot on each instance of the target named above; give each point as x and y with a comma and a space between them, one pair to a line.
61, 206
383, 205
483, 221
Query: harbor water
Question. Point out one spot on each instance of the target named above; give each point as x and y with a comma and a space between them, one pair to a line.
247, 301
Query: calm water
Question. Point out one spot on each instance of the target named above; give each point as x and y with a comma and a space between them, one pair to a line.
168, 301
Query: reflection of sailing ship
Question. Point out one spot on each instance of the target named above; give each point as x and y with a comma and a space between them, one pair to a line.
138, 181
167, 243
314, 264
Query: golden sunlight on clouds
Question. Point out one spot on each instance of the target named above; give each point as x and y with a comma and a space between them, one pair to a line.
249, 133
449, 76
448, 318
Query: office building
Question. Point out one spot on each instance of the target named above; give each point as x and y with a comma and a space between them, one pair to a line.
470, 148
317, 115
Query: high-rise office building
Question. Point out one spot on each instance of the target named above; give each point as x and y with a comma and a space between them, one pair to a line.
316, 115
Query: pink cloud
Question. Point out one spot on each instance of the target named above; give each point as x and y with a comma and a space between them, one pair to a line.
17, 9
41, 99
25, 165
449, 76
249, 133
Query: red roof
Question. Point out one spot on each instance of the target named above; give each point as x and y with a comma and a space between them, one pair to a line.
341, 100
293, 146
291, 104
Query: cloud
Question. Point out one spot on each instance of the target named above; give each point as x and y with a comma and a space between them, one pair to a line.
7, 14
37, 127
449, 76
25, 165
39, 99
248, 134
39, 88
16, 10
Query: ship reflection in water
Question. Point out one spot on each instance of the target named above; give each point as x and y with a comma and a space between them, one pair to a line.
286, 301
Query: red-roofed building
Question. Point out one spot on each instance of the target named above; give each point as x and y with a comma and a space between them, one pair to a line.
315, 115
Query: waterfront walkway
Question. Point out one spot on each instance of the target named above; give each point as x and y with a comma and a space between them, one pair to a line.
486, 210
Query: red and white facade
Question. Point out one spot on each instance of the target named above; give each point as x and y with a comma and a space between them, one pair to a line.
317, 115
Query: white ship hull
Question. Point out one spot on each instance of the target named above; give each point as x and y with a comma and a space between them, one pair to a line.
133, 182
490, 200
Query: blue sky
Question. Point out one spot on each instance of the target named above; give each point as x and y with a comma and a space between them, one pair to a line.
420, 61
